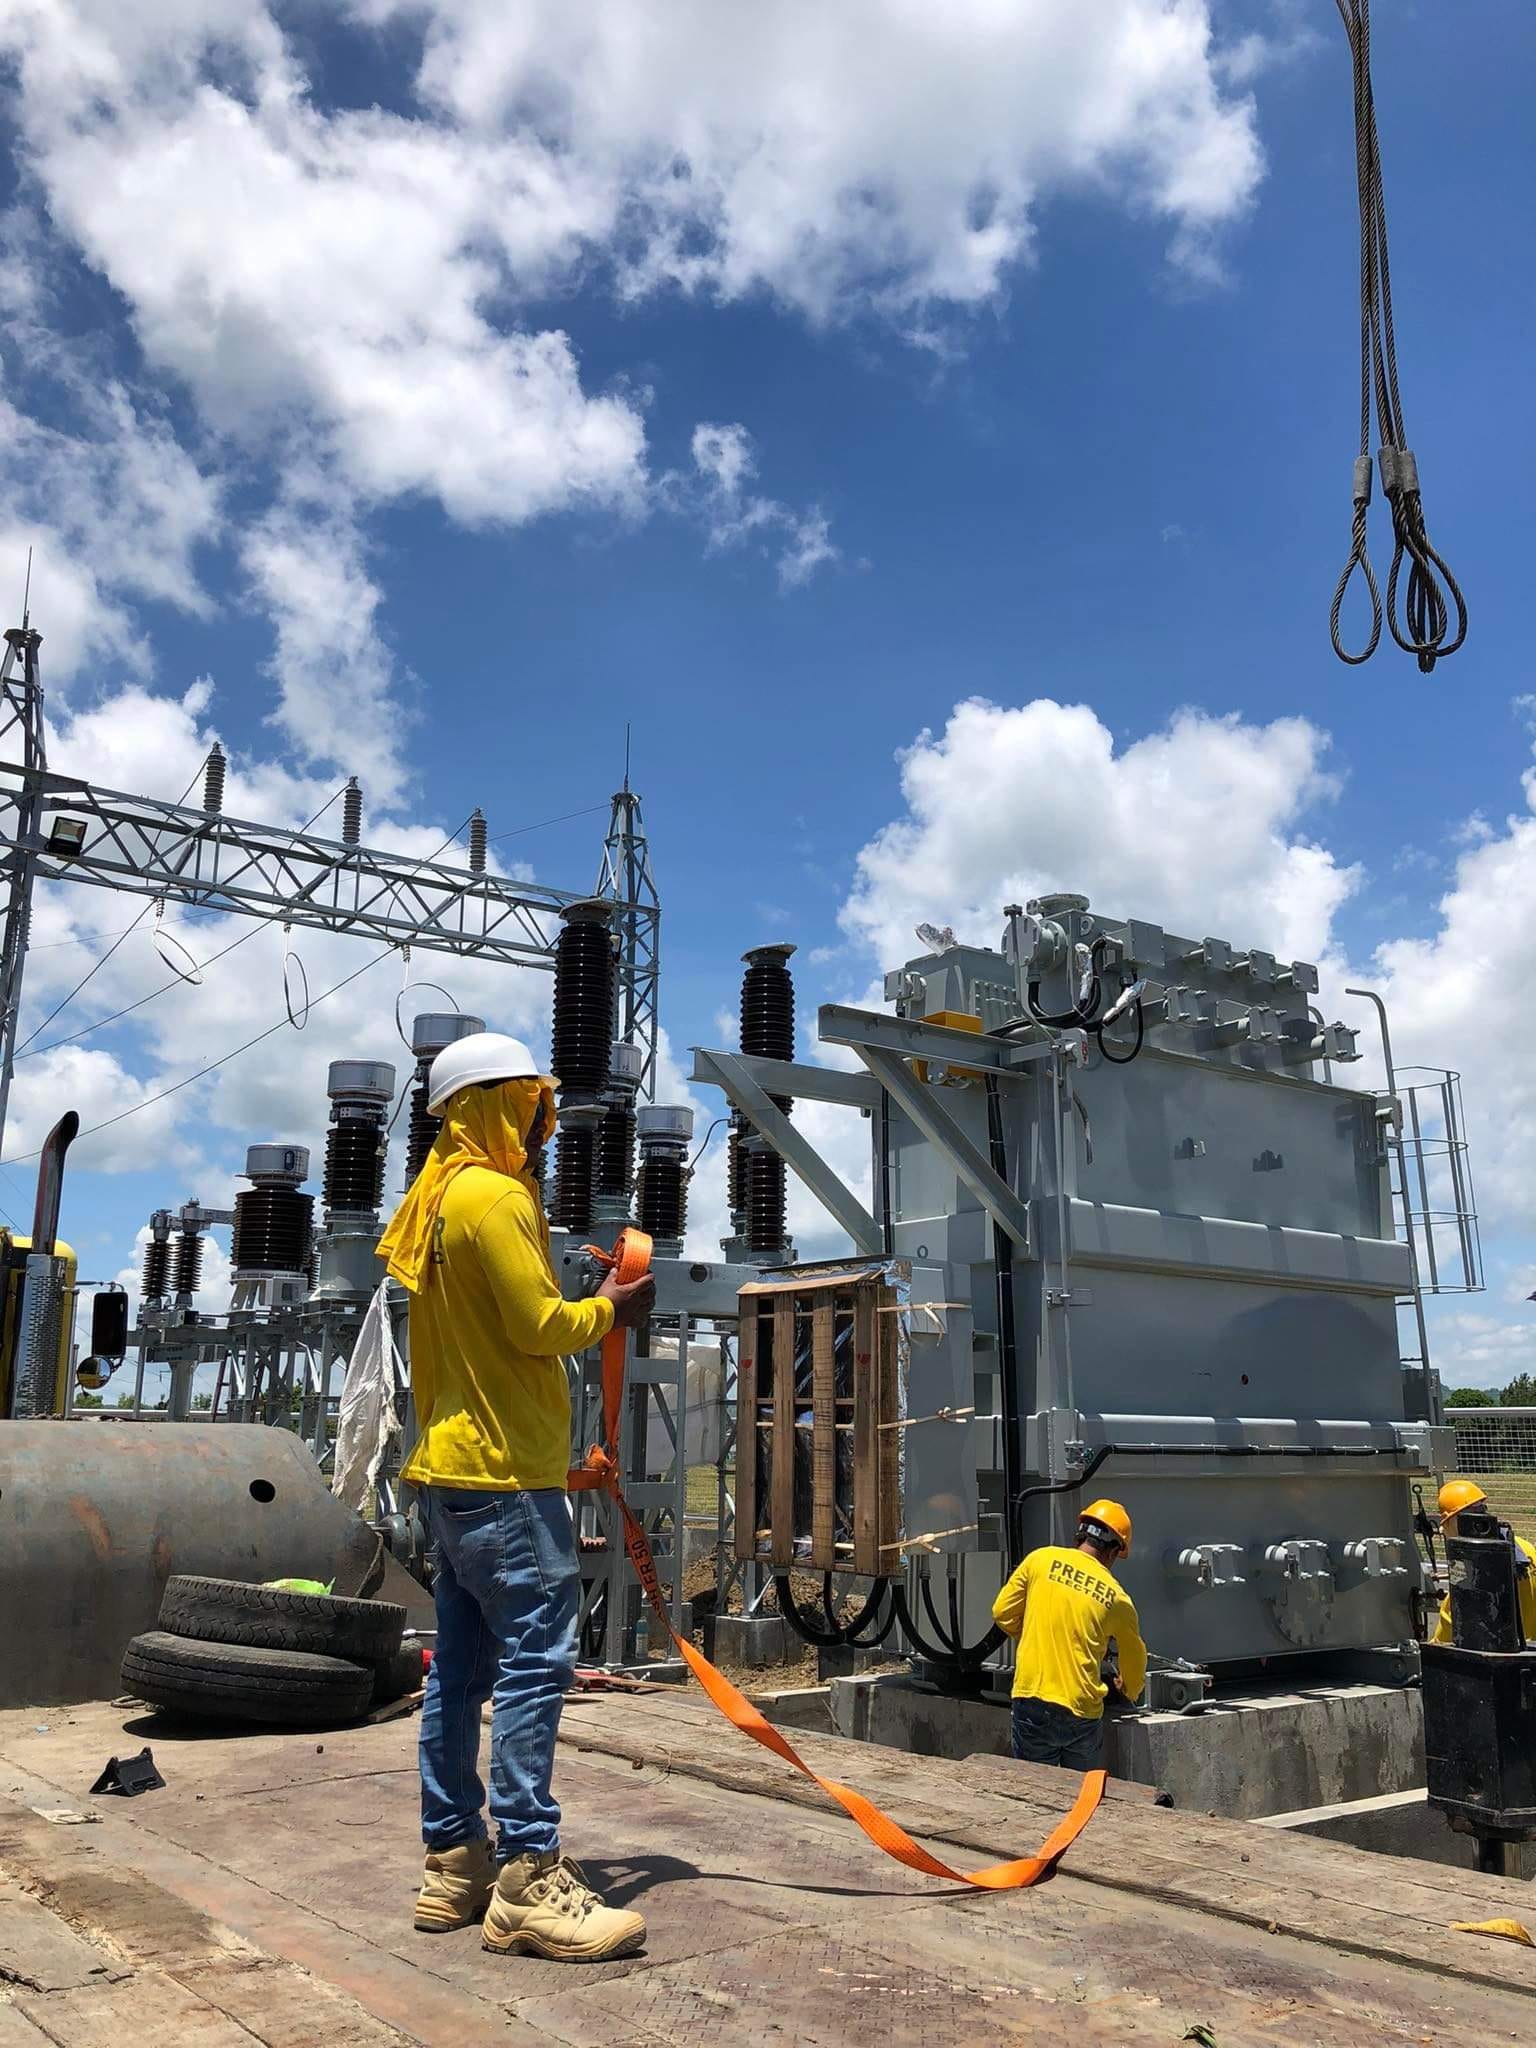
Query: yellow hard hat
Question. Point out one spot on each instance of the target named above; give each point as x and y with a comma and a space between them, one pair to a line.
1110, 1515
1457, 1494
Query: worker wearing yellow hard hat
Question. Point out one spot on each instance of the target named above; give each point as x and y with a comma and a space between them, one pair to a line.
1455, 1495
1065, 1607
490, 1333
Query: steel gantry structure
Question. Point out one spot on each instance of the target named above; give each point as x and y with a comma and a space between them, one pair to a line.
58, 828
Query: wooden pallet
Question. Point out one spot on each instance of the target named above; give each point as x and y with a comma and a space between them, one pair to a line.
818, 1422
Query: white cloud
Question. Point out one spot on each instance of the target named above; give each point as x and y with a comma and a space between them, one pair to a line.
359, 284
1198, 824
878, 153
734, 515
1465, 997
306, 561
1205, 826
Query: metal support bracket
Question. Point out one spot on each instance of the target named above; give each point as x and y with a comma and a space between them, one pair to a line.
728, 1073
791, 1077
873, 1030
922, 1105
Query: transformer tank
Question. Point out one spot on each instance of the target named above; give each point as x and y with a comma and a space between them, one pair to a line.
1143, 1240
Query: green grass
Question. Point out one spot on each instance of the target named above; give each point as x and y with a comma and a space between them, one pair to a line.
703, 1492
1513, 1495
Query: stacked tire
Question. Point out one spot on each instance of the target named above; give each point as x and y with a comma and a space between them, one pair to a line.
227, 1651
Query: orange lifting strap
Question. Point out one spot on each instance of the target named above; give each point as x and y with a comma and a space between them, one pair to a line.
631, 1260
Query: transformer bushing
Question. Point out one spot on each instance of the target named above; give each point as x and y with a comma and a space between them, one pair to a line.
274, 1222
353, 1187
156, 1276
661, 1187
613, 1167
581, 1051
767, 1032
187, 1269
432, 1031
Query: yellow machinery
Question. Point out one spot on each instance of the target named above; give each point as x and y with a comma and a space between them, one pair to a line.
53, 1320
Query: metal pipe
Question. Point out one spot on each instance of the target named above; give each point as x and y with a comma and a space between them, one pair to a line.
1423, 1179
1370, 996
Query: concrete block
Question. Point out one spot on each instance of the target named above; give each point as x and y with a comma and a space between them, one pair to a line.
1263, 1752
904, 1714
797, 1706
757, 1641
1249, 1754
842, 1660
1399, 1824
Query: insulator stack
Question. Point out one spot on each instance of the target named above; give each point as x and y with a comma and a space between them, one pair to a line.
157, 1269
736, 1172
213, 781
477, 842
581, 1045
767, 1032
354, 1165
352, 812
765, 1208
188, 1269
615, 1170
661, 1189
355, 1145
421, 1131
573, 1176
273, 1227
662, 1198
274, 1221
430, 1033
768, 1004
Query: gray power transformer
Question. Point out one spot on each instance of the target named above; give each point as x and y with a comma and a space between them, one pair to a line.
1148, 1244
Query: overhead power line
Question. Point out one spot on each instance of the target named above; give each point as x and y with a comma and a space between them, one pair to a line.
213, 1065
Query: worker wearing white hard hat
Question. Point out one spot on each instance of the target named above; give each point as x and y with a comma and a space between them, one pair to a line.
489, 1333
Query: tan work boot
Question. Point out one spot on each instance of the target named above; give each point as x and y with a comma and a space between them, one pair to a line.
543, 1906
457, 1884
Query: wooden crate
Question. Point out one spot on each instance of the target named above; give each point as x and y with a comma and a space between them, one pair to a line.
818, 1422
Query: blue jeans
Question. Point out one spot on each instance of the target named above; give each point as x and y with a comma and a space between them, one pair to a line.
507, 1588
1045, 1733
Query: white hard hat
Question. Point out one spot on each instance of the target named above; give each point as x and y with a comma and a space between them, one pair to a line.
483, 1056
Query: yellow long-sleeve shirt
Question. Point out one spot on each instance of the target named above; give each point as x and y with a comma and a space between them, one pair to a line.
488, 1333
1064, 1606
1527, 1590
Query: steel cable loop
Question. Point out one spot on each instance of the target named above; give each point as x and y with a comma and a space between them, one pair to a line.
1359, 558
1432, 593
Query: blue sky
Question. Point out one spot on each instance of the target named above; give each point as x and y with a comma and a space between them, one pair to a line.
1031, 360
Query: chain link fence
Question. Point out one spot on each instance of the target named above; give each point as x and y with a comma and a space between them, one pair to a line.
1497, 1447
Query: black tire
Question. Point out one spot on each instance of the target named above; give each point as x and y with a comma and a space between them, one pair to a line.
236, 1682
228, 1611
394, 1677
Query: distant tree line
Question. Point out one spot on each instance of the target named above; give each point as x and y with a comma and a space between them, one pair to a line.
1520, 1393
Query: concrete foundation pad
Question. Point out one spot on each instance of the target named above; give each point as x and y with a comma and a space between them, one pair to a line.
1246, 1754
757, 1641
1400, 1824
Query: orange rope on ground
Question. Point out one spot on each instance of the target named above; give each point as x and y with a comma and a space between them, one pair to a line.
630, 1260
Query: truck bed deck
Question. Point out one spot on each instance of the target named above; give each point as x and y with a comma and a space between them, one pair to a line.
264, 1895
